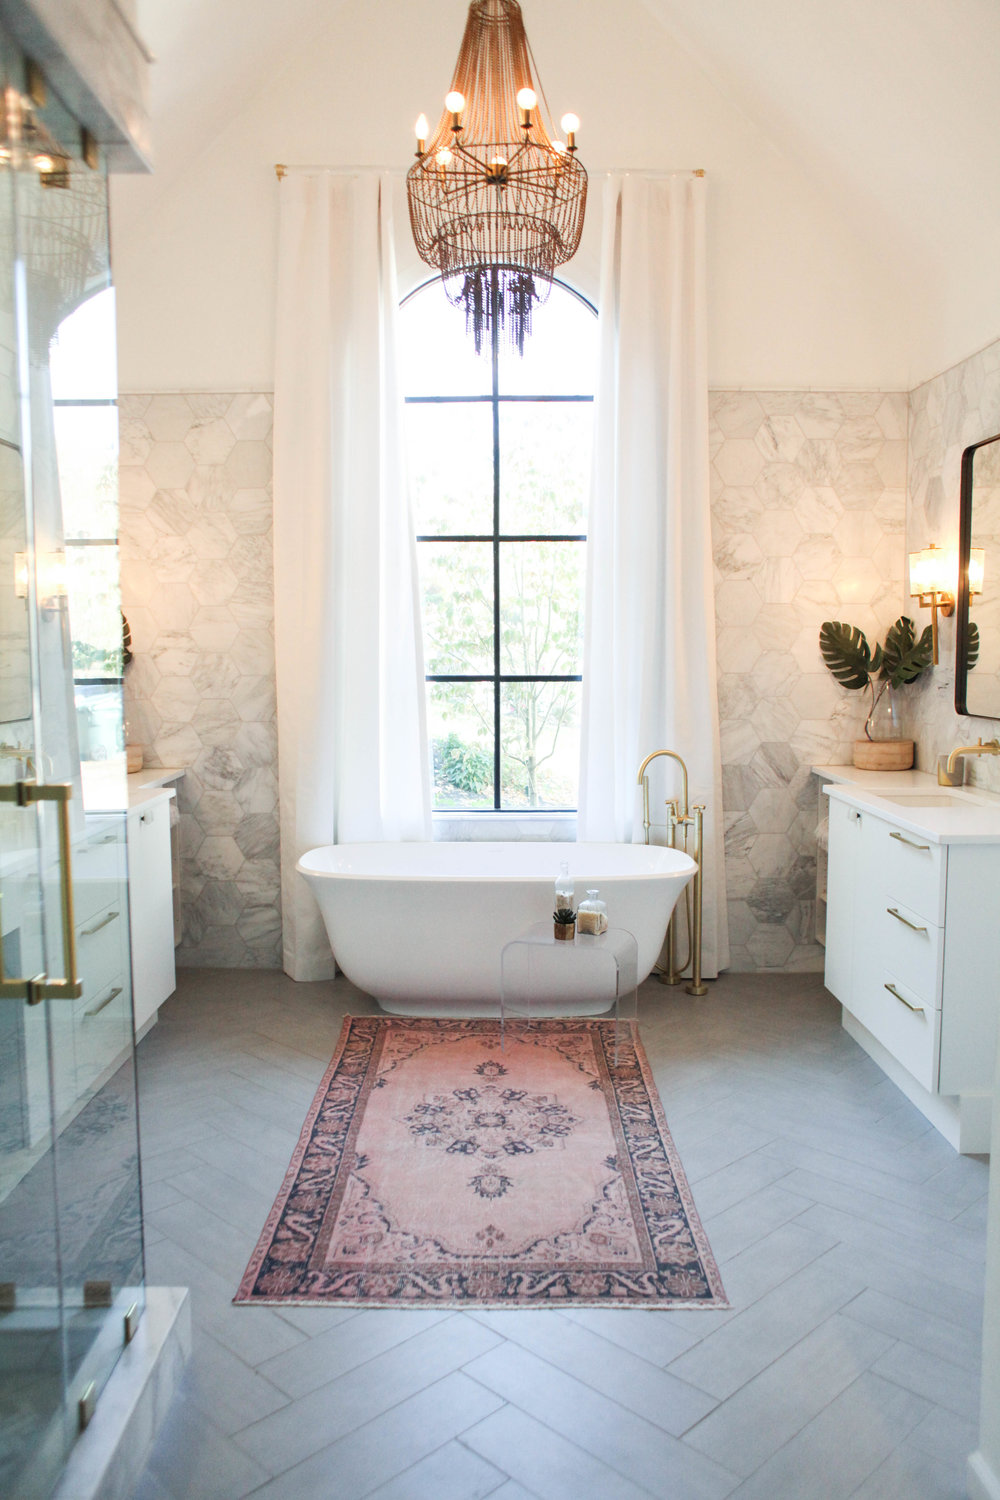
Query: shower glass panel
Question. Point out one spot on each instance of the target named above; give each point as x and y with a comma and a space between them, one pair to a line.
71, 1258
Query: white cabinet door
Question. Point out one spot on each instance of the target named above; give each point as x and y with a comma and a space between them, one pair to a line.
151, 908
841, 888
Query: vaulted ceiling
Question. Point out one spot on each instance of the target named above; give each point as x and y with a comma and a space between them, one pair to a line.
850, 147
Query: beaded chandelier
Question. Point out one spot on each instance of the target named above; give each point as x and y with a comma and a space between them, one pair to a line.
496, 200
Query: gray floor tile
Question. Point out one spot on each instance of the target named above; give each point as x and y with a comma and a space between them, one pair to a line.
608, 1429
841, 1446
816, 1179
387, 1446
767, 1412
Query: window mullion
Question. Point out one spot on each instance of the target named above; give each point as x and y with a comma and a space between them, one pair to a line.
495, 387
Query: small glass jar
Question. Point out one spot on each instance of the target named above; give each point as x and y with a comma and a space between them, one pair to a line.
592, 916
564, 888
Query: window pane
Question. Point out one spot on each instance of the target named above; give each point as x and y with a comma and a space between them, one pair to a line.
95, 619
560, 353
460, 721
544, 467
99, 720
87, 454
539, 743
450, 454
541, 597
456, 582
437, 356
82, 356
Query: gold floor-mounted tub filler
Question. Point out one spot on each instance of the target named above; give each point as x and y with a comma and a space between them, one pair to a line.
680, 817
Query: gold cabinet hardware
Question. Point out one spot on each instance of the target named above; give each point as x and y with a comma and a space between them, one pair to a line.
41, 987
900, 918
86, 1405
89, 931
96, 1009
908, 842
917, 1009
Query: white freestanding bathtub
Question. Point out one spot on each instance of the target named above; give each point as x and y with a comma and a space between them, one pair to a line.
420, 926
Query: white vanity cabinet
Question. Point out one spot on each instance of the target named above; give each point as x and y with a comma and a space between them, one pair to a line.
913, 955
151, 904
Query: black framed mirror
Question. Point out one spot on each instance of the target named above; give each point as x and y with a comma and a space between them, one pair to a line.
977, 671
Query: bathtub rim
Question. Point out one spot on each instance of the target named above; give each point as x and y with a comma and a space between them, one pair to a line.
685, 866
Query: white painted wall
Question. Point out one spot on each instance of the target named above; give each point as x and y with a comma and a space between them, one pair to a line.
800, 295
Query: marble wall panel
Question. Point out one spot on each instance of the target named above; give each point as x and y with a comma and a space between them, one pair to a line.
808, 513
946, 414
198, 592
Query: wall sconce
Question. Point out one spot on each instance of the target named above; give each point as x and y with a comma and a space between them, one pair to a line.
934, 582
51, 579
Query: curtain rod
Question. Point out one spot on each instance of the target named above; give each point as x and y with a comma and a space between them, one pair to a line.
282, 170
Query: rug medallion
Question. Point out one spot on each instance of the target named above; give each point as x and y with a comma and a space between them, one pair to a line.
439, 1167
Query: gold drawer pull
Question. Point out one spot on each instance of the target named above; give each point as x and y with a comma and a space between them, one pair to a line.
900, 918
908, 842
89, 931
106, 1001
917, 1009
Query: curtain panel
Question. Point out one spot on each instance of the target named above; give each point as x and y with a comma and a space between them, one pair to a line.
649, 677
352, 747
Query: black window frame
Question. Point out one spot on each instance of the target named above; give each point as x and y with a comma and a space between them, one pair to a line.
496, 537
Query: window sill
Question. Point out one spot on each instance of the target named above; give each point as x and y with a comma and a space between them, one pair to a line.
507, 827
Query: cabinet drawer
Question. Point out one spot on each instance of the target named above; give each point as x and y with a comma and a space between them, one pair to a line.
100, 946
912, 948
904, 1023
103, 1030
914, 872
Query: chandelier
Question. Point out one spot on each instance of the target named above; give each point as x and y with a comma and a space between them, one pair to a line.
496, 200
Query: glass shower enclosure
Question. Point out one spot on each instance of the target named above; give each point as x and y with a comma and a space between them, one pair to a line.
71, 1253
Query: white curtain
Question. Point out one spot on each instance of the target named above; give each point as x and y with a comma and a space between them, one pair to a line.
352, 748
649, 674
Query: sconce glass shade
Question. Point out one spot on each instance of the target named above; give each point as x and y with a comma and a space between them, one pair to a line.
977, 569
933, 571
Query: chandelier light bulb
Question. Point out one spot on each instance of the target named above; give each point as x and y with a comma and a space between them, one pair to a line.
559, 147
527, 98
454, 102
570, 123
498, 161
443, 157
421, 128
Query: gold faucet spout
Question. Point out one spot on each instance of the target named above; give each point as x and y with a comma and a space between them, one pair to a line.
991, 747
640, 778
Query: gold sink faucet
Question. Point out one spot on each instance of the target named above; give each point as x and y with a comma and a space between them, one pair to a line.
991, 747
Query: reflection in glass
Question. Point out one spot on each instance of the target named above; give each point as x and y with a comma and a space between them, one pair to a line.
460, 723
456, 584
87, 454
541, 607
539, 744
450, 457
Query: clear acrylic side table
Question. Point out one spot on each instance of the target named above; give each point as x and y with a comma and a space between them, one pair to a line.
590, 974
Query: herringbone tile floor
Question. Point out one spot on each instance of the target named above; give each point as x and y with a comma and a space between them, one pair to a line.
849, 1234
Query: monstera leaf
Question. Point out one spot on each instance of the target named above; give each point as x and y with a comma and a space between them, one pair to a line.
972, 646
847, 653
904, 655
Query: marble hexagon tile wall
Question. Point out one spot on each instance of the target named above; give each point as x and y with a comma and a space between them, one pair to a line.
808, 513
197, 588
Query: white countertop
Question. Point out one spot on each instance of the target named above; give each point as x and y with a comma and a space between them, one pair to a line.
106, 788
964, 815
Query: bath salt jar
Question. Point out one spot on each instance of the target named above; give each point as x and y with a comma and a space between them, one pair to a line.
592, 916
564, 916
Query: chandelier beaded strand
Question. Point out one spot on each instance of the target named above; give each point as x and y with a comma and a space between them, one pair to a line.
496, 200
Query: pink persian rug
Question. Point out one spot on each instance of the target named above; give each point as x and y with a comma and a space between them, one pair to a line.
435, 1168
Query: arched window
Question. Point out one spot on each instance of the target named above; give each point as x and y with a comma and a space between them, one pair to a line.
499, 450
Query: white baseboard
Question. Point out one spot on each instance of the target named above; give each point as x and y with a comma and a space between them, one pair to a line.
984, 1482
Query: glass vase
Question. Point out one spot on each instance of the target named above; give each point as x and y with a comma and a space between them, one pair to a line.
883, 721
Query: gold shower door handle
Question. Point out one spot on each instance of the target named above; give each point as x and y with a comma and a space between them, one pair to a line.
41, 987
